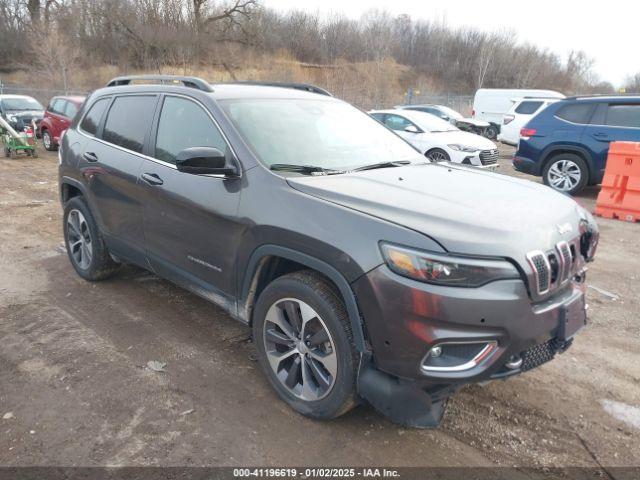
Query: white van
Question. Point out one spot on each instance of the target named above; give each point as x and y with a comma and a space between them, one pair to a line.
522, 110
491, 104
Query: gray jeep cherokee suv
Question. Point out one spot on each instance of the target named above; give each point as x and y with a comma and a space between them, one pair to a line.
366, 272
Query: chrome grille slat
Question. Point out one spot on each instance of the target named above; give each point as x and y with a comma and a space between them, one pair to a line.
565, 257
541, 270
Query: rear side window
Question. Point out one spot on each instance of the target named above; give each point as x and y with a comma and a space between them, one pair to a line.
528, 108
128, 121
184, 124
575, 113
624, 116
70, 110
91, 120
57, 106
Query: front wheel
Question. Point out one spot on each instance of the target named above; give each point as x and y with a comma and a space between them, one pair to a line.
566, 172
305, 346
491, 132
437, 155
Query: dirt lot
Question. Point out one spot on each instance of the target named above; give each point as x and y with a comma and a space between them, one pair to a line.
74, 389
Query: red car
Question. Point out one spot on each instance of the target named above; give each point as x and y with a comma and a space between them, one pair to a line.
57, 119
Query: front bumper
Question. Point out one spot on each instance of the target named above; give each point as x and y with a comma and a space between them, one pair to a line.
487, 159
405, 319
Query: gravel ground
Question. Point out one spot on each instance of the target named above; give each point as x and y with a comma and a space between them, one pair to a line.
75, 389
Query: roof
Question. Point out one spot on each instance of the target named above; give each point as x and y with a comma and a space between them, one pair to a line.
73, 98
7, 95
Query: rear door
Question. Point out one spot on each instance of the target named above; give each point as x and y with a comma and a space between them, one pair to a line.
611, 122
190, 221
111, 163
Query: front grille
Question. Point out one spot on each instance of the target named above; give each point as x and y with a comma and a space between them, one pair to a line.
551, 269
536, 356
489, 157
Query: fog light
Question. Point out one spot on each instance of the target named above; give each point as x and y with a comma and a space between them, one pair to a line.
458, 356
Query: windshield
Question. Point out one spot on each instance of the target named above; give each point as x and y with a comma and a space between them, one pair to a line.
431, 123
323, 133
451, 113
21, 103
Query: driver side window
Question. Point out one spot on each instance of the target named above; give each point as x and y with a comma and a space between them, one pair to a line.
184, 124
396, 122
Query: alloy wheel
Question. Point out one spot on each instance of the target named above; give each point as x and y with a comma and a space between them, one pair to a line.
438, 156
564, 175
79, 239
300, 349
46, 140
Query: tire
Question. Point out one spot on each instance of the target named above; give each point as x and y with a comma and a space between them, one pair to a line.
437, 155
47, 141
491, 132
566, 173
90, 258
313, 295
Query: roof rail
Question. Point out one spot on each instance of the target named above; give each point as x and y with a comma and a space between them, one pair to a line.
191, 82
603, 95
307, 87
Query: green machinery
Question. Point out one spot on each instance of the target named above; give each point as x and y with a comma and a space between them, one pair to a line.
15, 143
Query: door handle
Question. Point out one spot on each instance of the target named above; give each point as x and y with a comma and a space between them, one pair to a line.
151, 179
90, 156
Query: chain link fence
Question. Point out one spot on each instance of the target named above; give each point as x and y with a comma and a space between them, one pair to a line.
43, 95
459, 103
358, 96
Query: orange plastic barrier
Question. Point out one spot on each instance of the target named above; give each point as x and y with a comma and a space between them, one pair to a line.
620, 193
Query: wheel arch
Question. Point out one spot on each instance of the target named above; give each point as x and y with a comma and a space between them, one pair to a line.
554, 150
271, 261
70, 188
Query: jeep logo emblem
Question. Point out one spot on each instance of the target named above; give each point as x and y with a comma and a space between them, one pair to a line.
564, 228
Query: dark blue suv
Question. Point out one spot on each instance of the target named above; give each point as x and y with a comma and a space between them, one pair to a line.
567, 143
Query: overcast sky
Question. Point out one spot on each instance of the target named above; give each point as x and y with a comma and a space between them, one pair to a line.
607, 32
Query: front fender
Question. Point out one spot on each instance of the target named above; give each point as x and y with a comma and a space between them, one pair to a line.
270, 250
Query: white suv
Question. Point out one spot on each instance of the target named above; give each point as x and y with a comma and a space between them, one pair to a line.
522, 110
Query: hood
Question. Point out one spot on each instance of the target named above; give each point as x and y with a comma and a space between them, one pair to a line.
464, 138
466, 210
473, 121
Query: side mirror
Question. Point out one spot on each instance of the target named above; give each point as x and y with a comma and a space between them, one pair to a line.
412, 129
205, 161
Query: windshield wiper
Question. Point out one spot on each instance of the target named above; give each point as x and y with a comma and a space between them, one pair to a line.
382, 165
307, 169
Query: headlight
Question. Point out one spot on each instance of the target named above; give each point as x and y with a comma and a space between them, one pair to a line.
443, 269
11, 118
462, 148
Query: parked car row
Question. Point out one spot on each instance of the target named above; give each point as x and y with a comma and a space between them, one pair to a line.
20, 111
439, 140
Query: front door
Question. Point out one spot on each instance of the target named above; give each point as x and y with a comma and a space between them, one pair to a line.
190, 221
612, 122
